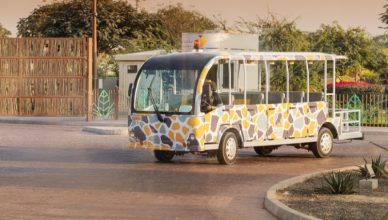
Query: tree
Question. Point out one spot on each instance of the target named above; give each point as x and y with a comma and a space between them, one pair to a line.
275, 34
4, 32
384, 16
177, 20
280, 35
364, 55
118, 22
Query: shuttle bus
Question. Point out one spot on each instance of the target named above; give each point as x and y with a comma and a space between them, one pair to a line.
217, 103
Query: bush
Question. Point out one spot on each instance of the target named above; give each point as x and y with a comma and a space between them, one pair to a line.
378, 166
338, 183
358, 88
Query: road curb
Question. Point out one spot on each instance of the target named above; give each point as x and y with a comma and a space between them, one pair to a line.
106, 130
70, 121
279, 209
374, 130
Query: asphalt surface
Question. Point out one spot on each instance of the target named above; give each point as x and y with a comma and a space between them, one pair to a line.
61, 172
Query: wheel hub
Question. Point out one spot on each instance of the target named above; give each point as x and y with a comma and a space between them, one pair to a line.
326, 143
231, 148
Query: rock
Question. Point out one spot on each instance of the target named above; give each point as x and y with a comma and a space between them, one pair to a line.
368, 185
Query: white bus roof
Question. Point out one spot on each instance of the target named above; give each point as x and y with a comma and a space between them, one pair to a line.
280, 56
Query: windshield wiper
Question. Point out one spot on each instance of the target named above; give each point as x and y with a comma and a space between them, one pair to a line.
160, 117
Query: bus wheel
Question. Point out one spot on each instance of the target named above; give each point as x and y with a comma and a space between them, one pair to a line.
227, 152
324, 146
263, 151
164, 156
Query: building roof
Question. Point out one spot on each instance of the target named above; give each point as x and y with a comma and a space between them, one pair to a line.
139, 56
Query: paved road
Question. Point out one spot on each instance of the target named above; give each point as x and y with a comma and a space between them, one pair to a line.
60, 172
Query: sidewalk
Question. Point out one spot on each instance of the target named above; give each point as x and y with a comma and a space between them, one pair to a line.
374, 130
70, 121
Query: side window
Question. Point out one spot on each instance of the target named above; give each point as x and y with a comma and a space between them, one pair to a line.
212, 74
225, 76
211, 98
252, 77
132, 69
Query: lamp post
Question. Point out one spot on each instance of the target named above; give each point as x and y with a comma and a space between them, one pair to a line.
94, 39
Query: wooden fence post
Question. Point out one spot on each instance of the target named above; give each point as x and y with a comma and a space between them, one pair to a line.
89, 113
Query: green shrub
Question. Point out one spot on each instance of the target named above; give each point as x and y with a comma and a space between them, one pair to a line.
338, 183
359, 90
378, 166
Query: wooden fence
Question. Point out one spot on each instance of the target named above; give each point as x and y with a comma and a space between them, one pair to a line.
44, 76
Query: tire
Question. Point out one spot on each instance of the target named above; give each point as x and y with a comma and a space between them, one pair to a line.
164, 156
264, 151
227, 151
324, 145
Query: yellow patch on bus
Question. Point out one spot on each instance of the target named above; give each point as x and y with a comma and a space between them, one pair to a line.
320, 105
225, 118
296, 134
147, 130
261, 108
287, 125
305, 132
199, 132
185, 130
245, 124
244, 113
194, 122
171, 135
175, 126
312, 128
179, 138
305, 109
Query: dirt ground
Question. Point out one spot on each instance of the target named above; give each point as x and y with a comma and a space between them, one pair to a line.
307, 197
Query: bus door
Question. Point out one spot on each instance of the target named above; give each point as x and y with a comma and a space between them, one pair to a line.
312, 124
298, 119
277, 115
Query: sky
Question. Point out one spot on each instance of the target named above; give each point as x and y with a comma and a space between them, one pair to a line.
309, 14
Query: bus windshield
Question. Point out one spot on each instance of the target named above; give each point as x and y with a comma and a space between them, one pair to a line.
165, 90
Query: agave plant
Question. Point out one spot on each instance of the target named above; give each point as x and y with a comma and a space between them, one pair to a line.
338, 183
378, 166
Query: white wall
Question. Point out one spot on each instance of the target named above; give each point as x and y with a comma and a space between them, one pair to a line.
126, 78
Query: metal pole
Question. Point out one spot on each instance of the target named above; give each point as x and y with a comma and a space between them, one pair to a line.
94, 36
259, 68
230, 80
325, 81
245, 81
308, 81
334, 81
266, 81
288, 82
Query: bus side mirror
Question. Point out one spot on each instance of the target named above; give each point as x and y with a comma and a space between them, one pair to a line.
130, 89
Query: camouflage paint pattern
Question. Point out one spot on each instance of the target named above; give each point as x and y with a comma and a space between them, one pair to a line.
253, 123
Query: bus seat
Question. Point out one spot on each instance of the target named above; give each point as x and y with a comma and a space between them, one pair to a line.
252, 98
255, 98
238, 98
225, 98
276, 97
296, 96
315, 97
